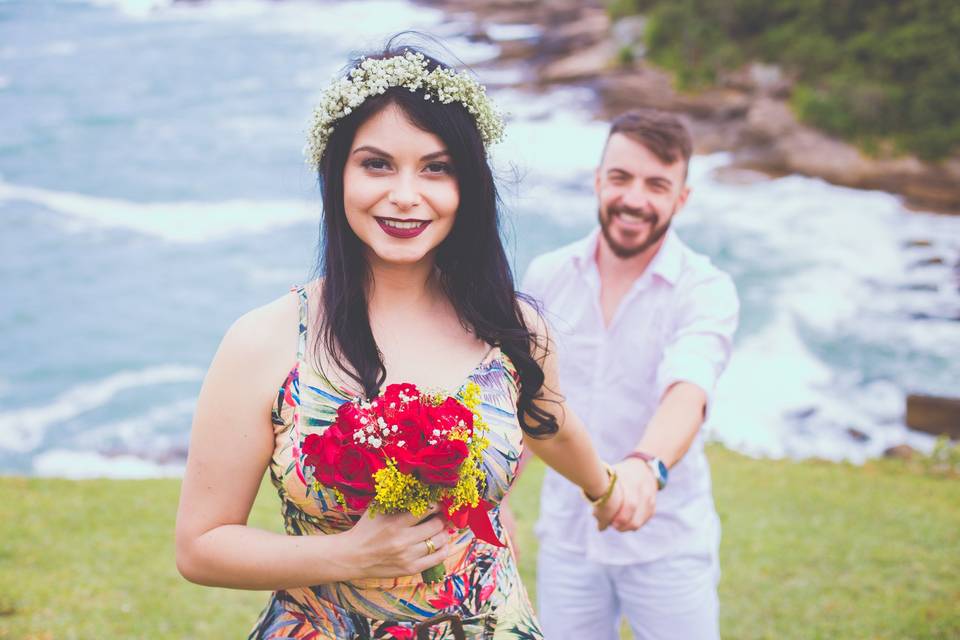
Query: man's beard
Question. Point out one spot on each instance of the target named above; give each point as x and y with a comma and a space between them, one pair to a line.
628, 252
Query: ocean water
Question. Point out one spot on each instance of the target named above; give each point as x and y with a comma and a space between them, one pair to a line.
152, 189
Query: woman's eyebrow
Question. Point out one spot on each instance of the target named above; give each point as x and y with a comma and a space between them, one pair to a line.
436, 154
379, 152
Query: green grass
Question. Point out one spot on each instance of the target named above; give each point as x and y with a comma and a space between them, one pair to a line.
810, 550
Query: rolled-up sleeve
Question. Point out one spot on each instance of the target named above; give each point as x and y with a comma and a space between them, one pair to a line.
700, 347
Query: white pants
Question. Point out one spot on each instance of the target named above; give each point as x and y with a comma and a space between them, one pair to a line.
674, 598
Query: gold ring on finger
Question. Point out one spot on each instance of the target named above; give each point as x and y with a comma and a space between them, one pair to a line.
431, 548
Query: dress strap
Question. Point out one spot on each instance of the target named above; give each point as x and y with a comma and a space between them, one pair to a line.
301, 292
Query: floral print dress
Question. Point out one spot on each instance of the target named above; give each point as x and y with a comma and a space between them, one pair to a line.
481, 597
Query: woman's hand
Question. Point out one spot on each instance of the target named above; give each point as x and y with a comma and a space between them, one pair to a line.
389, 546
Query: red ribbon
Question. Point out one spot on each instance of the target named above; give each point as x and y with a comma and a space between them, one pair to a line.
477, 519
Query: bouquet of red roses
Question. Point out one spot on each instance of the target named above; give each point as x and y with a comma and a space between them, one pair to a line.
403, 451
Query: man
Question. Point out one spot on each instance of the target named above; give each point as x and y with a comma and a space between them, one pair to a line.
643, 327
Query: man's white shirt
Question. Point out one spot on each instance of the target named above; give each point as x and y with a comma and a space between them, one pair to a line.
675, 324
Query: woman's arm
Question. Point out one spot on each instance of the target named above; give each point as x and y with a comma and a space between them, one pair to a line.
570, 451
230, 447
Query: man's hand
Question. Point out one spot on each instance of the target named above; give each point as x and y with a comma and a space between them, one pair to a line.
640, 490
606, 512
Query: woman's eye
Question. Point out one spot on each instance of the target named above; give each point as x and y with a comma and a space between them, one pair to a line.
439, 167
375, 164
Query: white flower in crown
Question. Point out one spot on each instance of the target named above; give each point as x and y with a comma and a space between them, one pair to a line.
374, 76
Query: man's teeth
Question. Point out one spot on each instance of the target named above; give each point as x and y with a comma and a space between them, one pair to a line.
396, 224
633, 216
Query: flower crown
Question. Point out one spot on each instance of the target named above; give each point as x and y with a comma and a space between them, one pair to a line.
374, 76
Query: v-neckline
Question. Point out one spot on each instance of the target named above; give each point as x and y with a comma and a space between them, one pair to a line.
485, 361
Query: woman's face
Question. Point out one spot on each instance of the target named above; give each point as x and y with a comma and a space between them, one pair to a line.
399, 189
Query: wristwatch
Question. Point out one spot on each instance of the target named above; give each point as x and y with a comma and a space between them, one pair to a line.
656, 465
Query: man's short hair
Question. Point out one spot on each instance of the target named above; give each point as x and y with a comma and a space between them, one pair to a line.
663, 133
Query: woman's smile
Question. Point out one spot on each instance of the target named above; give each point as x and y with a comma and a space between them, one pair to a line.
398, 228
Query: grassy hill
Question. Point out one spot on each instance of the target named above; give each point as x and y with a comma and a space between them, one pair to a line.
810, 550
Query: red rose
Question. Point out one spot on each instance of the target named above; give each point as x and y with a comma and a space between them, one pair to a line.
414, 427
353, 475
352, 418
314, 443
437, 464
400, 405
339, 463
405, 457
440, 463
450, 414
322, 452
393, 392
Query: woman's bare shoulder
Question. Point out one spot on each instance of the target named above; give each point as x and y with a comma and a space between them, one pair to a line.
266, 336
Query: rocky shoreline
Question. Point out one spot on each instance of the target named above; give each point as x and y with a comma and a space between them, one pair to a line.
560, 42
547, 43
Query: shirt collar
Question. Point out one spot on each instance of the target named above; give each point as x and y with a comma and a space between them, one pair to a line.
669, 260
667, 264
585, 252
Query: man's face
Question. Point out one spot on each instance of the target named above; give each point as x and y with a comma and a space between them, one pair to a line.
638, 195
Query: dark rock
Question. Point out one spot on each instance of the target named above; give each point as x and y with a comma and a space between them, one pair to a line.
901, 452
802, 414
924, 315
934, 414
857, 435
920, 286
735, 175
573, 38
928, 262
585, 63
517, 49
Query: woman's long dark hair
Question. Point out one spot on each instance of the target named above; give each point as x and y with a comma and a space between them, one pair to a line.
473, 267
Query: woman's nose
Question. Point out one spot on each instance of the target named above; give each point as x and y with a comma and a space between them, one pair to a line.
404, 194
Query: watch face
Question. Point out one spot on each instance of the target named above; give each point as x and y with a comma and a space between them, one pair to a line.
662, 474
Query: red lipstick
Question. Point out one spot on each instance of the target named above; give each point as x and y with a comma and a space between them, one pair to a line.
405, 231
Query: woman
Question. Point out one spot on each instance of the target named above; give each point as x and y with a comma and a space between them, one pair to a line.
416, 288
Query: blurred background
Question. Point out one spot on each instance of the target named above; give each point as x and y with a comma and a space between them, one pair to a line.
153, 189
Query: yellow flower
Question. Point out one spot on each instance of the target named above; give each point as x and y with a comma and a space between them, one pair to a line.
397, 491
471, 396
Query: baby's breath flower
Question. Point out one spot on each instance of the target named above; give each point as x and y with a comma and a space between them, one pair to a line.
373, 77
